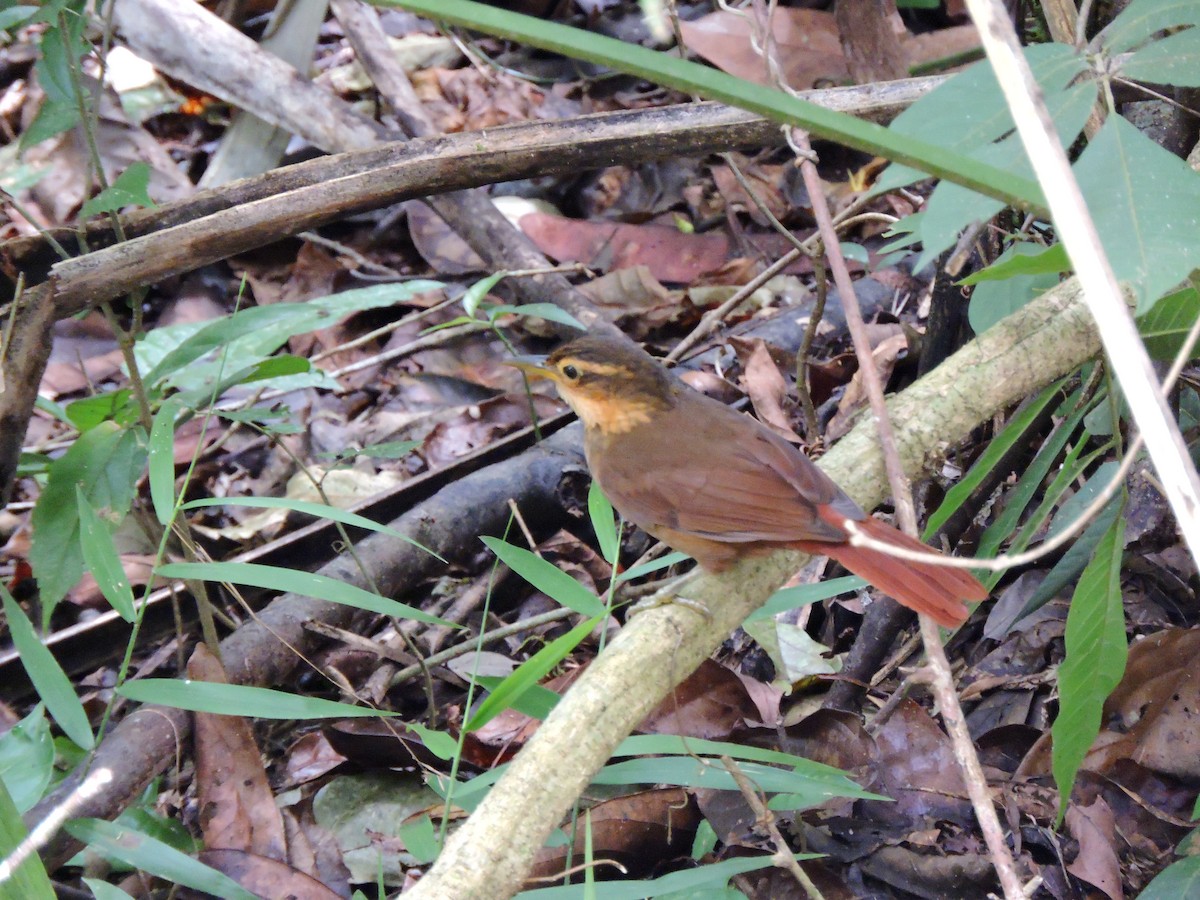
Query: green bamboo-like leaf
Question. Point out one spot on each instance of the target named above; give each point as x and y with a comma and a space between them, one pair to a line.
600, 511
321, 510
670, 71
53, 686
162, 460
1173, 60
529, 673
547, 578
1096, 652
309, 584
29, 881
1013, 432
786, 599
100, 555
704, 881
150, 855
239, 700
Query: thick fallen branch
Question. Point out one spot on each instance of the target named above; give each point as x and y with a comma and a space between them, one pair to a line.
490, 853
261, 652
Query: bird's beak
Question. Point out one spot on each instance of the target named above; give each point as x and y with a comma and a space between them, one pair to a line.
532, 366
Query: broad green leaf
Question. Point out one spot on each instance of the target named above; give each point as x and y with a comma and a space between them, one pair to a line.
239, 700
29, 881
1165, 327
670, 71
1174, 60
162, 461
27, 759
14, 16
106, 462
100, 555
1023, 259
547, 578
1180, 879
153, 856
321, 510
1141, 19
1143, 200
420, 839
701, 882
53, 118
128, 190
309, 584
53, 686
992, 300
600, 511
528, 674
110, 406
1095, 661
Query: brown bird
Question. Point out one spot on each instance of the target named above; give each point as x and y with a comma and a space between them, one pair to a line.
718, 485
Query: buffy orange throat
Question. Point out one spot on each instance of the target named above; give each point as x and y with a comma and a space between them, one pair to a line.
718, 485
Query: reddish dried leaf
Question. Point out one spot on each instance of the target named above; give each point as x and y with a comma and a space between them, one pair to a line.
237, 810
710, 703
267, 877
806, 40
1097, 862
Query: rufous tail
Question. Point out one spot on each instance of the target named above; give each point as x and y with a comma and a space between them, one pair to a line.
937, 591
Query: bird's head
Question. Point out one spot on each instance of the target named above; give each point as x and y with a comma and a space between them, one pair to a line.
612, 386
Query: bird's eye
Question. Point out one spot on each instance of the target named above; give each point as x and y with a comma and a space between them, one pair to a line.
570, 371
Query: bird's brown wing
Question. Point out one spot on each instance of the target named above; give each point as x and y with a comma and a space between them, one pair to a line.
708, 471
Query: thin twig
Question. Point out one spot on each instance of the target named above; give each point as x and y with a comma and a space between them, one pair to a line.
764, 818
942, 682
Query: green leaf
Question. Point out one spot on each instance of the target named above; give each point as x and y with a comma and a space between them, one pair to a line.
111, 406
1066, 571
1174, 60
1180, 879
102, 890
547, 578
1096, 652
528, 674
1143, 200
997, 447
255, 333
100, 555
420, 839
53, 686
475, 294
1141, 19
995, 299
128, 190
600, 511
321, 510
29, 881
670, 71
106, 462
143, 852
1023, 259
14, 16
655, 565
700, 882
535, 701
309, 584
27, 760
239, 700
790, 598
547, 311
1165, 327
162, 460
